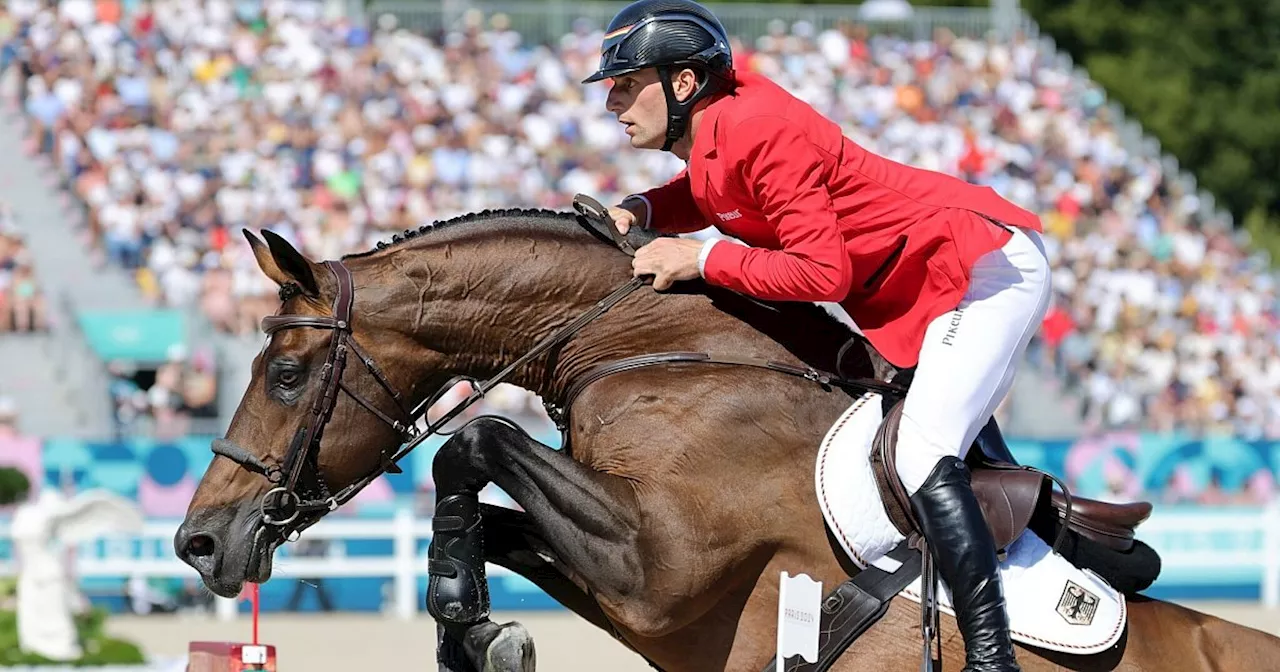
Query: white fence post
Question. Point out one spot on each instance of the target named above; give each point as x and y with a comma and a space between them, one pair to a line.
227, 608
1187, 539
1271, 556
406, 576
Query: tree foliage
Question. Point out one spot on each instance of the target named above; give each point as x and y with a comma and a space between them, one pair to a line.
1202, 76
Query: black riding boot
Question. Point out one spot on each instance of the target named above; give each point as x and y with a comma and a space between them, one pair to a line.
965, 555
458, 591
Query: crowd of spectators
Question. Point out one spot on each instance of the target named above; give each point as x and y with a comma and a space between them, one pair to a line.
164, 401
22, 304
179, 123
8, 417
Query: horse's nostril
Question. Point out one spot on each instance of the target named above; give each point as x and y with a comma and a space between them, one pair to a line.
199, 546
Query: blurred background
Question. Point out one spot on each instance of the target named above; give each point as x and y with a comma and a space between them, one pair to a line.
137, 137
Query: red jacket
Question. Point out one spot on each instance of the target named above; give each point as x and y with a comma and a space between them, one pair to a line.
827, 220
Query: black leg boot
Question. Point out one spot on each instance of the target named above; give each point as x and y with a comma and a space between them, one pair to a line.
457, 591
965, 555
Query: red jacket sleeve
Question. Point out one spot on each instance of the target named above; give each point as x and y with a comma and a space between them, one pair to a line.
671, 207
783, 172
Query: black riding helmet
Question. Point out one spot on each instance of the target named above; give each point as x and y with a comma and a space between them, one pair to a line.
668, 35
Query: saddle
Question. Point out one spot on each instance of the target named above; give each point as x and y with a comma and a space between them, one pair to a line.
1008, 493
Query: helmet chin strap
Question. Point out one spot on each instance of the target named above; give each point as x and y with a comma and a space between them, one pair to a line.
678, 112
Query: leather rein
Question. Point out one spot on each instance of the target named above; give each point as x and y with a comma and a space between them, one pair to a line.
301, 497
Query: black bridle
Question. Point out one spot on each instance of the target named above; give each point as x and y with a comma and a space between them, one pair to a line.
284, 504
300, 491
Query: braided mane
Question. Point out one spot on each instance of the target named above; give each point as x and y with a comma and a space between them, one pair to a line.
469, 218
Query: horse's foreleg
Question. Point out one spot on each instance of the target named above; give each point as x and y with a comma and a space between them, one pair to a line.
586, 518
511, 540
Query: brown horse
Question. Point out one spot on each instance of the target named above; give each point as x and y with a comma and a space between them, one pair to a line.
688, 488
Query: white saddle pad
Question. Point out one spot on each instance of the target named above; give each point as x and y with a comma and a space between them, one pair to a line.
1051, 603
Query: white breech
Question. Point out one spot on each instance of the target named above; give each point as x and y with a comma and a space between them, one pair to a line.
970, 355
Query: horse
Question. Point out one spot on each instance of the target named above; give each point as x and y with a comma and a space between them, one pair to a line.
683, 490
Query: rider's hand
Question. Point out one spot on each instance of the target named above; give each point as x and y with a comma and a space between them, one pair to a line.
626, 214
668, 260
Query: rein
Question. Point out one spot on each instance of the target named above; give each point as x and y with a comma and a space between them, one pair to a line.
301, 490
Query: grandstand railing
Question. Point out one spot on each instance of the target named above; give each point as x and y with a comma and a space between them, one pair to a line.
1184, 537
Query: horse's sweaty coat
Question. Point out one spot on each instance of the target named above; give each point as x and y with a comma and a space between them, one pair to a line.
1051, 603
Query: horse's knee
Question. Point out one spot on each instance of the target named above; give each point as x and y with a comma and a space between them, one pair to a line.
454, 455
487, 432
459, 459
469, 435
466, 455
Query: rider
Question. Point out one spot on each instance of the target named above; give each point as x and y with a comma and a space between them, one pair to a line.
939, 274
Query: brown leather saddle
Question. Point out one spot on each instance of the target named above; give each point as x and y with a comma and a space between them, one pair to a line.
1009, 494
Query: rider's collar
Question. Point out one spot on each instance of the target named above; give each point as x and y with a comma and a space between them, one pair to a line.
704, 142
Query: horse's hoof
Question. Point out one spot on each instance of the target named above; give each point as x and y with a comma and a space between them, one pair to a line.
501, 648
451, 652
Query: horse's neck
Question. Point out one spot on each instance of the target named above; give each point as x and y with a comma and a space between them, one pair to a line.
483, 300
484, 303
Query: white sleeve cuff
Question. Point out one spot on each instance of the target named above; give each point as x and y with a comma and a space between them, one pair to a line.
648, 208
702, 256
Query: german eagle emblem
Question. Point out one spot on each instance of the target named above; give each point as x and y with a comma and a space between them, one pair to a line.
1077, 606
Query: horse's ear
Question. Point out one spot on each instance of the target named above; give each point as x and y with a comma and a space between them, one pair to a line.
265, 261
301, 269
282, 263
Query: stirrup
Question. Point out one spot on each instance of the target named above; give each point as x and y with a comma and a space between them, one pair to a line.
930, 612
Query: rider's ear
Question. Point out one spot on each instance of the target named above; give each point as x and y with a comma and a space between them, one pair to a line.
685, 83
283, 264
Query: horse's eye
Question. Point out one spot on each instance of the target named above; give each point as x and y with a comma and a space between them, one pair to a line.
288, 378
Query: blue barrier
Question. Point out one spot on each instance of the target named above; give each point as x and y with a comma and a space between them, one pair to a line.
1174, 468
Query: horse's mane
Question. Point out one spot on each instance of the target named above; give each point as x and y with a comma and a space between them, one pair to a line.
566, 221
482, 217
